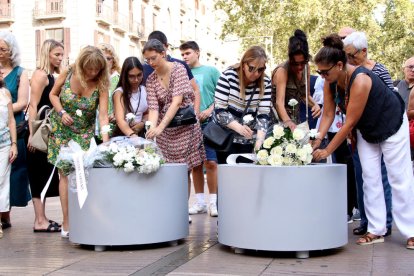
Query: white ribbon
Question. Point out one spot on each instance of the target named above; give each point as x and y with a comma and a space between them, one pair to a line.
80, 178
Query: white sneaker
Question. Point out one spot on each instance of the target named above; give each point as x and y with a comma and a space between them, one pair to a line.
64, 234
197, 209
213, 210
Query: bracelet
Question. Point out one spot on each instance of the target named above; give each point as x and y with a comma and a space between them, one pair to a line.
61, 112
13, 143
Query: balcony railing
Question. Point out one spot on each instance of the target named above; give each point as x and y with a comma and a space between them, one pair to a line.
104, 14
135, 30
6, 13
120, 23
49, 9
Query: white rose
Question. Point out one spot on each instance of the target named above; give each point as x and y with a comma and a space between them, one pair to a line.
147, 125
287, 161
292, 102
130, 117
262, 157
308, 148
313, 133
78, 112
268, 142
278, 150
128, 167
105, 129
309, 159
302, 154
298, 134
278, 131
113, 147
275, 160
291, 148
247, 119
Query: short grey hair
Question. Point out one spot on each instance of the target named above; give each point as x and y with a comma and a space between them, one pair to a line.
357, 39
154, 45
11, 41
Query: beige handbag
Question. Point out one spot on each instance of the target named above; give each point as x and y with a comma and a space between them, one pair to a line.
41, 129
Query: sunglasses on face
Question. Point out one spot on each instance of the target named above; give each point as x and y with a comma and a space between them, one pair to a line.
253, 69
353, 55
325, 72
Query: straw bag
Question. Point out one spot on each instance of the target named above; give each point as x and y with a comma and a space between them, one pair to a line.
41, 129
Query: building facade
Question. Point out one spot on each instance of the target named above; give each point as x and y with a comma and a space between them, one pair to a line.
125, 24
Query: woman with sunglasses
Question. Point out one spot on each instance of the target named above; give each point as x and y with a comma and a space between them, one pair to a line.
235, 87
289, 82
381, 125
130, 98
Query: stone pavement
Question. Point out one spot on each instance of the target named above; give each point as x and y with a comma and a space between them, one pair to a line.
23, 252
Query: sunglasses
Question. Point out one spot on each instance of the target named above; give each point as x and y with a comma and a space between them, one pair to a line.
353, 55
253, 69
325, 72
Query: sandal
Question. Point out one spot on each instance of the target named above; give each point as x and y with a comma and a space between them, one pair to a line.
410, 243
50, 229
369, 238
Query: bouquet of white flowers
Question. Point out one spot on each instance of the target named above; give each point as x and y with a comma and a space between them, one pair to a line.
132, 154
285, 148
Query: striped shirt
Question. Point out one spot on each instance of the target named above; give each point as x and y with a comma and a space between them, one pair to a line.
381, 71
227, 94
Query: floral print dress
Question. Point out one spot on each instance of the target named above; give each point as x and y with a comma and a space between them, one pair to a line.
83, 128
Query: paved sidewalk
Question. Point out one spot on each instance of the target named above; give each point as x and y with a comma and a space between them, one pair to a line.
23, 252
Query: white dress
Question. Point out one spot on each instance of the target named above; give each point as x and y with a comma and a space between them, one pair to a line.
4, 152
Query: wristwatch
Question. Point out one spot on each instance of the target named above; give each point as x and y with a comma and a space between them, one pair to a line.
61, 112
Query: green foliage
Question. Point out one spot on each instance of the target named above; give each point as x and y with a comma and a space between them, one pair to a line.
389, 25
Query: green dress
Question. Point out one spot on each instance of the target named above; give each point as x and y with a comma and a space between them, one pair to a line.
83, 128
19, 181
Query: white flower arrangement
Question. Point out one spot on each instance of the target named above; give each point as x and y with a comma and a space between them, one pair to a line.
285, 148
129, 158
78, 112
130, 117
247, 119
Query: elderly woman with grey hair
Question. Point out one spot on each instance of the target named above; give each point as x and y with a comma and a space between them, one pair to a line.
356, 49
17, 82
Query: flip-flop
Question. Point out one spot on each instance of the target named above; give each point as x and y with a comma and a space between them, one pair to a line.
55, 223
410, 246
370, 240
50, 229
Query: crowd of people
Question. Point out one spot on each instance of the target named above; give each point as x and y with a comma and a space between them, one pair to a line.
362, 120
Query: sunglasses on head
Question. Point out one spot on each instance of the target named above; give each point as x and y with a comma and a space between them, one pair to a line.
325, 72
253, 69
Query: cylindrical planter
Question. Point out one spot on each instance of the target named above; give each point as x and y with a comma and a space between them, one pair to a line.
131, 209
298, 208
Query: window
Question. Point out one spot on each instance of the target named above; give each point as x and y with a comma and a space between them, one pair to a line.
53, 6
56, 34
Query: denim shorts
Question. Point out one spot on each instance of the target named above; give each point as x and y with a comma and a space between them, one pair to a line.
210, 152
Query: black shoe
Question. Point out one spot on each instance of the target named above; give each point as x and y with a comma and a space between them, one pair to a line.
388, 233
361, 230
6, 224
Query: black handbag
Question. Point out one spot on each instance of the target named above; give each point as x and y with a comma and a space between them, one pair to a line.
184, 116
221, 138
23, 126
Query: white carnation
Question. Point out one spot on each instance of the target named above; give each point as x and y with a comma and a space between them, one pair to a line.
130, 117
128, 167
313, 133
247, 119
292, 102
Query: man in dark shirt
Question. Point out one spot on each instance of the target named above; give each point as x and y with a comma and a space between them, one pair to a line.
148, 69
404, 86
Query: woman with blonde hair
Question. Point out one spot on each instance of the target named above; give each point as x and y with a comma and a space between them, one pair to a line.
51, 56
112, 60
241, 85
8, 145
17, 82
85, 84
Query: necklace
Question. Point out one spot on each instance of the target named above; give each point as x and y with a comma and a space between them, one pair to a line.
137, 98
342, 105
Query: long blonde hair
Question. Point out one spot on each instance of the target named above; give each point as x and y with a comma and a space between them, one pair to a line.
44, 61
253, 53
93, 56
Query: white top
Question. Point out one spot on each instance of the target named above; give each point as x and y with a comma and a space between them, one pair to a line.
138, 102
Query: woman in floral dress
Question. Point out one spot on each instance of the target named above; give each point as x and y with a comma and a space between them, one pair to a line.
85, 85
168, 89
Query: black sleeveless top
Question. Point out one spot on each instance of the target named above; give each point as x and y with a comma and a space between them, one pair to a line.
383, 114
44, 98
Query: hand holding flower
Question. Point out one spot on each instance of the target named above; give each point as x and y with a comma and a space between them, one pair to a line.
320, 154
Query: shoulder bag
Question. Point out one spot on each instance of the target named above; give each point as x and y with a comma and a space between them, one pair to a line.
184, 116
218, 137
41, 129
23, 126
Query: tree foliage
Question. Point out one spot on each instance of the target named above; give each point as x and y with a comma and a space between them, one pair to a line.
389, 25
